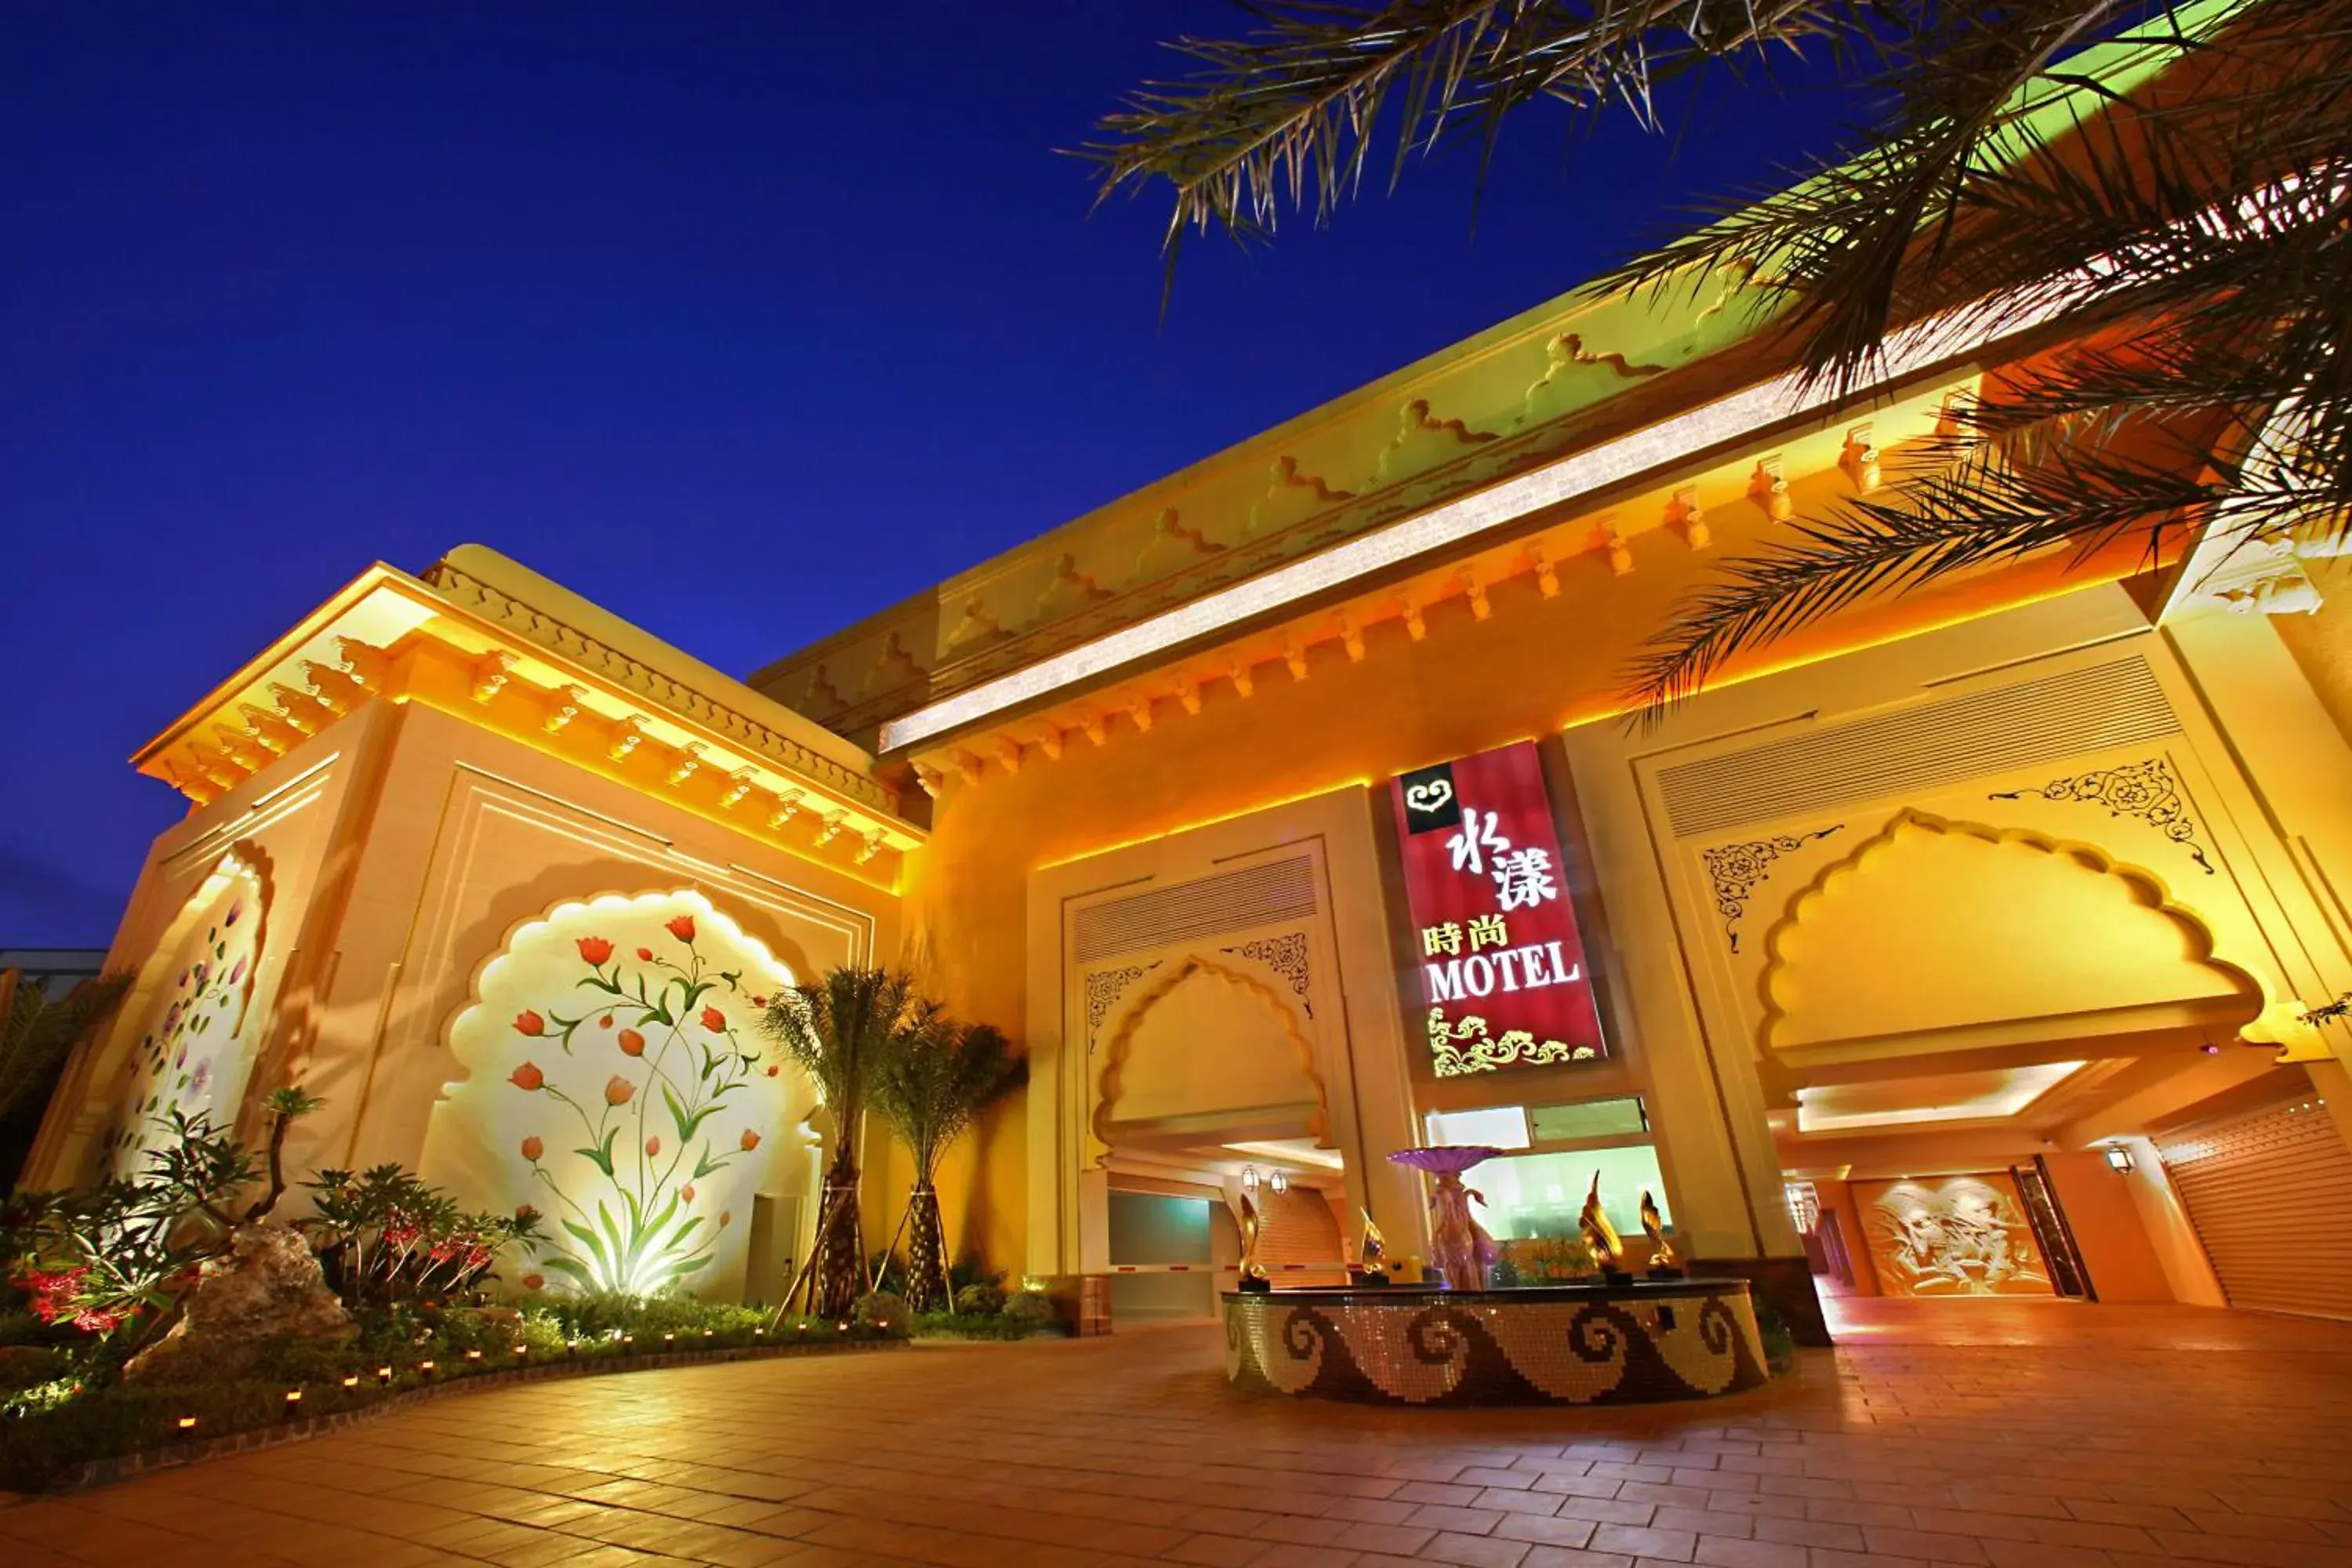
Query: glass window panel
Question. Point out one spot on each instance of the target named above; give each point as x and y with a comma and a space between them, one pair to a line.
1541, 1194
1498, 1126
1589, 1119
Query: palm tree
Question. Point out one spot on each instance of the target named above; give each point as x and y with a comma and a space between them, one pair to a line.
2191, 226
845, 1030
932, 1092
36, 1029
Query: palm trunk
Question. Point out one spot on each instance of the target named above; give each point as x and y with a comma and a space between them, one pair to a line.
839, 1263
927, 1263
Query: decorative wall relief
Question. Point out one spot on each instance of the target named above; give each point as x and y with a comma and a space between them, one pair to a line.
1459, 1048
618, 1081
2143, 791
1569, 379
1960, 1236
1069, 592
895, 669
1286, 956
1172, 547
1423, 440
1104, 988
199, 1029
1733, 871
1289, 496
819, 696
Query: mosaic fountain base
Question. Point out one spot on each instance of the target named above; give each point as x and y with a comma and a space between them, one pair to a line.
1637, 1342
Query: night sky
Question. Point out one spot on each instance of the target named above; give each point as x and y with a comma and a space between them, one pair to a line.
742, 320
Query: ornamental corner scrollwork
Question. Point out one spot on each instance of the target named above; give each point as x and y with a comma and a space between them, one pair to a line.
1734, 870
1459, 1050
2143, 791
1286, 956
1103, 987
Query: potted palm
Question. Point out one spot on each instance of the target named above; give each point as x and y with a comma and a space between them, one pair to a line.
842, 1030
931, 1093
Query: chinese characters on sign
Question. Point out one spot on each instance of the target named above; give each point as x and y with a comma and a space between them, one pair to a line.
1501, 961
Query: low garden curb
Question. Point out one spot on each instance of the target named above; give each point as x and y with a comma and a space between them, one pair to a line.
124, 1466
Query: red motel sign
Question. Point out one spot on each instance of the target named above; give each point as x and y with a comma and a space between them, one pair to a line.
1500, 960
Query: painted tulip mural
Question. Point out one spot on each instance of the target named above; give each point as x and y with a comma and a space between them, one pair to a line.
196, 1020
619, 1085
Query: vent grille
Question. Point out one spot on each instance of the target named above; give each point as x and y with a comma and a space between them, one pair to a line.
2114, 704
1236, 900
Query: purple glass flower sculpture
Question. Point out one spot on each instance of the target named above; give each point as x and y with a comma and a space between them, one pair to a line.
1463, 1250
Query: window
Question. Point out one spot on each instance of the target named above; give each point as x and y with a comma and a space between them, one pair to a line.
1498, 1126
1532, 1196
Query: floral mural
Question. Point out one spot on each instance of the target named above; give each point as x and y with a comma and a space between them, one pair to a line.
197, 1025
619, 1084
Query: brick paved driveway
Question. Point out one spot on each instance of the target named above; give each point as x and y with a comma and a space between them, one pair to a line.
1987, 1433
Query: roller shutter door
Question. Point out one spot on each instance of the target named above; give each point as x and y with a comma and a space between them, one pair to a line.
2271, 1195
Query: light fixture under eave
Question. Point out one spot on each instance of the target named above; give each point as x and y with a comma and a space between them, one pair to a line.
1250, 1180
1279, 1183
2119, 1159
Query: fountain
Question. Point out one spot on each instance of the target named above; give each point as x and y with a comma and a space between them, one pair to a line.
1615, 1339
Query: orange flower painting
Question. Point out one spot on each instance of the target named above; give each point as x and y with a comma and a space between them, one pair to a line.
690, 1092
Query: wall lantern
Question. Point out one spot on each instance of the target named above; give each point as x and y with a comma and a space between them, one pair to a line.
2119, 1159
1279, 1181
1250, 1180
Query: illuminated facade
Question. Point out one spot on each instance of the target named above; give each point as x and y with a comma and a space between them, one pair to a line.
1284, 811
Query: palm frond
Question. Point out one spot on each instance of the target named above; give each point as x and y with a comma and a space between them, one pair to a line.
1293, 112
938, 1086
2080, 496
846, 1028
37, 1030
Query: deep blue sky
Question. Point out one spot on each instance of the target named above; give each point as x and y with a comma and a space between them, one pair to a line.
742, 320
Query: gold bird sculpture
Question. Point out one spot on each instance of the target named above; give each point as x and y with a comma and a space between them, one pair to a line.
1654, 1225
1601, 1237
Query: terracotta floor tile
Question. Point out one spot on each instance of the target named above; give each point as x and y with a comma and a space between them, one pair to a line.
1981, 1434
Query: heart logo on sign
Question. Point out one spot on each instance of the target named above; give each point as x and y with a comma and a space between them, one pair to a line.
1430, 796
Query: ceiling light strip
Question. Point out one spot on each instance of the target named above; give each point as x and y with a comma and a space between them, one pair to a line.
1740, 415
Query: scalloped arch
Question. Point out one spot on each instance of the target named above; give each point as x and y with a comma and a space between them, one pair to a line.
187, 1043
2147, 891
1234, 971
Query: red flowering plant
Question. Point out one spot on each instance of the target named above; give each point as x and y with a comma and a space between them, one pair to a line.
384, 1236
656, 1021
114, 1260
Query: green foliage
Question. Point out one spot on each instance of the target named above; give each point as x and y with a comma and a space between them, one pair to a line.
36, 1029
940, 1080
981, 1298
49, 1428
961, 1325
1779, 1344
845, 1029
1030, 1308
384, 1236
2016, 169
884, 1313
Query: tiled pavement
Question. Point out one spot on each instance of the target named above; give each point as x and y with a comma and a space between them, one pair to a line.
2016, 1436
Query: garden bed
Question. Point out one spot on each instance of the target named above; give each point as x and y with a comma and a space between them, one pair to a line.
369, 1400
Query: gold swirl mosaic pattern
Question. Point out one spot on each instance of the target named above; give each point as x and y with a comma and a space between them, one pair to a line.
1487, 1349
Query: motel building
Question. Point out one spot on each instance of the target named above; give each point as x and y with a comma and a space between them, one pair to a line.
1980, 942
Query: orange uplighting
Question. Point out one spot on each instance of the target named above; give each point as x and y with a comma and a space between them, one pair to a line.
1171, 831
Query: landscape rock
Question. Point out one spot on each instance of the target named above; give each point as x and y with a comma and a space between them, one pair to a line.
265, 1290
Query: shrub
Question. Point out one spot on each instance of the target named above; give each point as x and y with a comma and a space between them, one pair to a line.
981, 1299
881, 1312
1029, 1308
